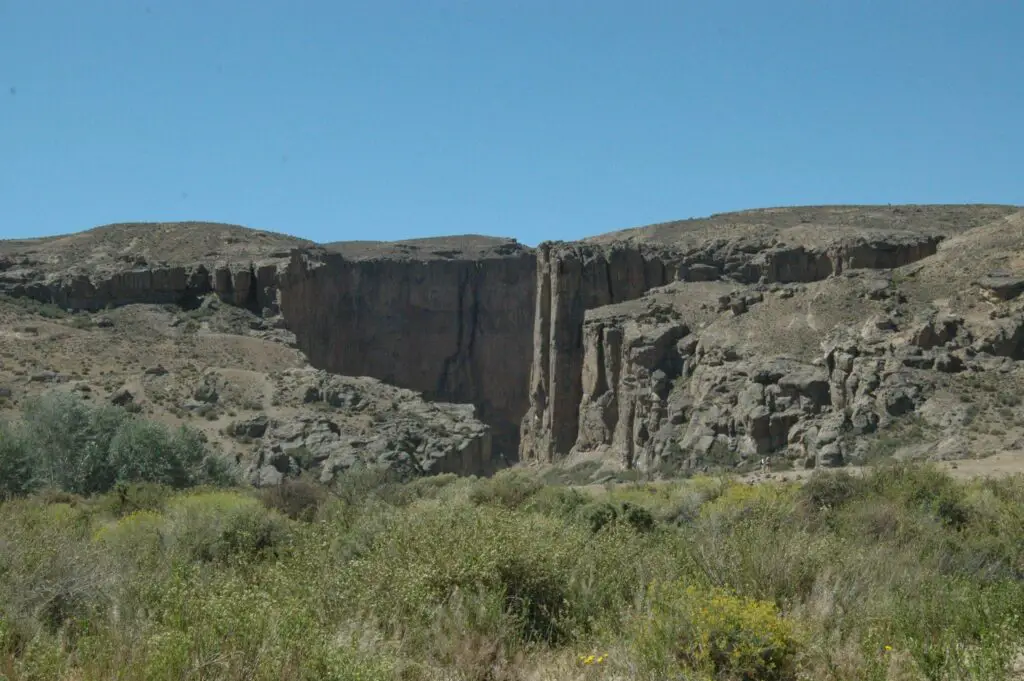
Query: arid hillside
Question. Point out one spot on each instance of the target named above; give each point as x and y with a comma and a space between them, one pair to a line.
809, 335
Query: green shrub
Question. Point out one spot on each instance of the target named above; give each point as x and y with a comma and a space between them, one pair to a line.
49, 572
399, 493
138, 539
144, 450
70, 441
637, 517
297, 499
681, 629
417, 581
509, 488
128, 498
436, 551
216, 526
557, 501
15, 465
599, 515
83, 449
356, 485
830, 490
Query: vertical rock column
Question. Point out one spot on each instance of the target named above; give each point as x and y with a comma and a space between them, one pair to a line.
571, 279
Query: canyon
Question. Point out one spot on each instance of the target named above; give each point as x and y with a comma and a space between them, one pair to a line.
812, 335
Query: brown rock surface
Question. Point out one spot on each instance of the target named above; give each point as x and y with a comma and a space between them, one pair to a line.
452, 323
761, 247
806, 332
249, 390
912, 359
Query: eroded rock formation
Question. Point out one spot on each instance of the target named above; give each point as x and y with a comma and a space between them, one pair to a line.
455, 328
250, 285
573, 360
764, 332
572, 279
344, 422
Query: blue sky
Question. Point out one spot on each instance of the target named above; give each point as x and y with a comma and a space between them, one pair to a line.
537, 119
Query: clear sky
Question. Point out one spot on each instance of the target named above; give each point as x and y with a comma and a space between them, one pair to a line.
537, 119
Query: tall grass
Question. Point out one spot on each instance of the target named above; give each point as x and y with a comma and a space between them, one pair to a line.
901, 574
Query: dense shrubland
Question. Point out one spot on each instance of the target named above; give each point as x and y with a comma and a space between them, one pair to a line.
900, 574
63, 443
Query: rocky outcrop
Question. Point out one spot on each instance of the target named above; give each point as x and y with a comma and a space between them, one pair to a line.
454, 327
571, 359
250, 285
697, 374
657, 393
769, 259
651, 346
448, 318
344, 422
571, 279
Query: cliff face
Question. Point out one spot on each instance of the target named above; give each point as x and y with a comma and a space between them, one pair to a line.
683, 341
595, 381
249, 285
455, 328
571, 279
717, 372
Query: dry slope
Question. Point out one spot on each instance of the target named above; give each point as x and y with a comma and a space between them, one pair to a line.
818, 334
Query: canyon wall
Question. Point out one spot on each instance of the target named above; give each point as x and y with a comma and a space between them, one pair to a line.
575, 278
571, 279
547, 344
456, 328
249, 285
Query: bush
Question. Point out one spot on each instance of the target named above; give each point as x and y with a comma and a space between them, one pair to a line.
143, 450
15, 465
715, 633
415, 581
560, 502
216, 526
637, 517
830, 490
128, 498
49, 572
86, 450
70, 442
138, 538
509, 488
598, 515
356, 485
438, 551
297, 499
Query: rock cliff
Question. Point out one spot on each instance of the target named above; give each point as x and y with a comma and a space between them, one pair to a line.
452, 324
795, 332
447, 317
650, 382
571, 279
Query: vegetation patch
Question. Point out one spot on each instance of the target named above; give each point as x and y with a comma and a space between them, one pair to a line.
900, 573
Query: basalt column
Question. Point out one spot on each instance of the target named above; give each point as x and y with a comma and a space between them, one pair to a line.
571, 279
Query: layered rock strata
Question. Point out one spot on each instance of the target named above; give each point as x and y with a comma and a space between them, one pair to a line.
253, 286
